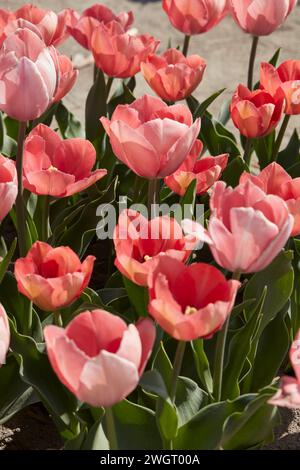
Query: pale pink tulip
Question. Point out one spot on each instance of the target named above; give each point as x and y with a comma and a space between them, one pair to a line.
4, 335
67, 77
8, 185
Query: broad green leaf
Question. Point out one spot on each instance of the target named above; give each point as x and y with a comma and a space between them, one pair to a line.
138, 296
202, 364
7, 259
188, 201
95, 108
202, 107
68, 125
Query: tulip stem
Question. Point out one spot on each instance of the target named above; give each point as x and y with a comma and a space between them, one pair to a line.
45, 218
153, 188
280, 137
21, 222
57, 318
108, 86
179, 355
110, 429
252, 61
248, 152
186, 45
220, 354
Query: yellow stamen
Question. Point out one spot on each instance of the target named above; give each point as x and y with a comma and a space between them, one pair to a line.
190, 310
146, 258
52, 168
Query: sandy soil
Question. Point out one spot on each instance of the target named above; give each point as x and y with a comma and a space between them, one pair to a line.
226, 50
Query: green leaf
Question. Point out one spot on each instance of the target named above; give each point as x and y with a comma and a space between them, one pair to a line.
95, 439
202, 107
233, 171
289, 158
122, 95
217, 138
69, 126
188, 201
95, 108
202, 364
152, 382
138, 297
7, 259
264, 149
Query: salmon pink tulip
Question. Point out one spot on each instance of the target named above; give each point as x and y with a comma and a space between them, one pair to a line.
190, 302
119, 53
255, 113
67, 77
28, 75
52, 277
275, 180
283, 82
206, 170
288, 394
151, 138
139, 241
4, 335
8, 185
98, 357
260, 17
173, 76
57, 167
196, 16
247, 227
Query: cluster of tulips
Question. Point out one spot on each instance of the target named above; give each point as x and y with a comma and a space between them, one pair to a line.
176, 336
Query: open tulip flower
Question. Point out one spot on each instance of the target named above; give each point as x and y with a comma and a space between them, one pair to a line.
28, 75
8, 186
247, 227
119, 53
4, 335
189, 302
283, 82
51, 27
255, 113
173, 76
139, 241
57, 167
288, 394
206, 170
85, 24
151, 138
196, 16
98, 357
52, 277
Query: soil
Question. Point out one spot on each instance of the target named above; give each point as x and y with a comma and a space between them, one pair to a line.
226, 50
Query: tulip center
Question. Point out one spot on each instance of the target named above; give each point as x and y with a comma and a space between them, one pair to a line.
190, 310
52, 168
147, 257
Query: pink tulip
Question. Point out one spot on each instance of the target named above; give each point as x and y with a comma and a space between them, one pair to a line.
98, 357
173, 76
151, 138
288, 394
260, 17
8, 185
196, 16
4, 335
190, 302
67, 77
138, 243
28, 76
57, 167
275, 180
247, 227
49, 26
206, 170
255, 113
52, 277
92, 17
119, 53
283, 83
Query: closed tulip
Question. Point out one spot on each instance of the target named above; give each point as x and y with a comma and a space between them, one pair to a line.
67, 77
119, 53
98, 357
57, 167
139, 241
4, 335
8, 185
196, 16
173, 76
28, 75
288, 394
206, 171
247, 227
85, 24
275, 180
151, 138
260, 17
283, 83
49, 26
189, 302
255, 113
52, 277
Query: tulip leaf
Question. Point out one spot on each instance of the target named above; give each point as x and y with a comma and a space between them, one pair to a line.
264, 149
202, 364
138, 297
233, 171
200, 109
95, 108
188, 201
8, 145
7, 259
152, 382
69, 126
95, 438
295, 298
217, 138
289, 158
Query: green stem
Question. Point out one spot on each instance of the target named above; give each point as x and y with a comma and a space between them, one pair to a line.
248, 152
153, 188
21, 221
186, 45
252, 61
57, 318
110, 429
280, 137
220, 355
108, 86
28, 319
179, 355
45, 218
